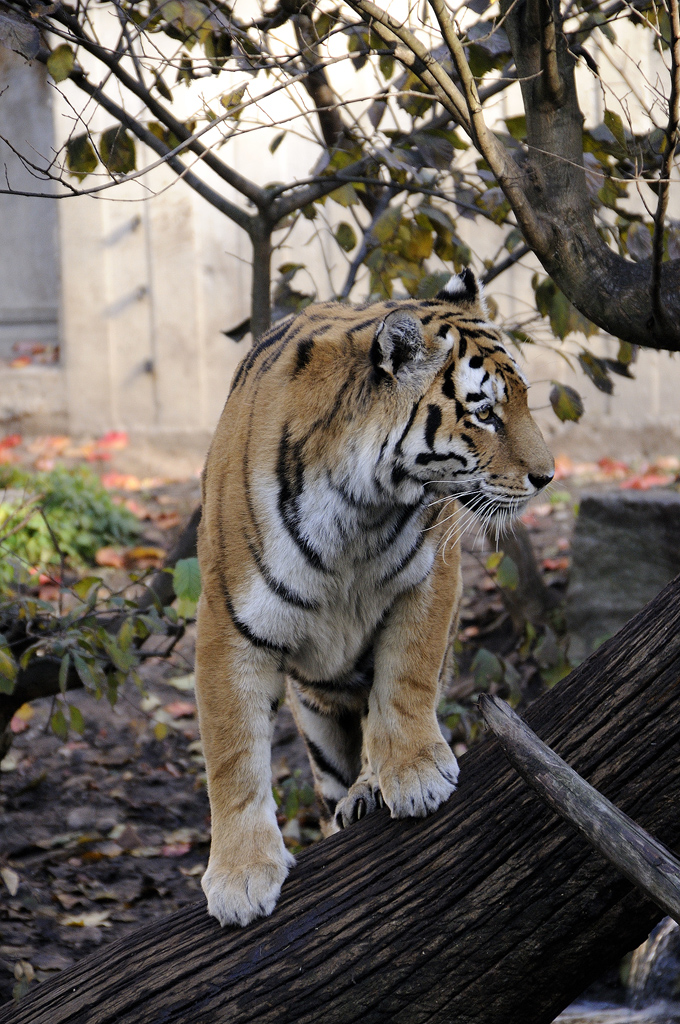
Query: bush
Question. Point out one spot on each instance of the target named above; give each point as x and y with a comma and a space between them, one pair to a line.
64, 512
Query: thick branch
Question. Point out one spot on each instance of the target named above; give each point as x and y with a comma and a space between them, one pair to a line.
611, 291
411, 52
633, 851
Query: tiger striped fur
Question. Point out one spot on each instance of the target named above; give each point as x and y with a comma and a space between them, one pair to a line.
353, 442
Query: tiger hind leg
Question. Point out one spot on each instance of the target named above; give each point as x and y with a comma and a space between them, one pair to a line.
331, 727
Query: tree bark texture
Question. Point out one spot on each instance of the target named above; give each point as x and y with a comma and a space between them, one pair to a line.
492, 911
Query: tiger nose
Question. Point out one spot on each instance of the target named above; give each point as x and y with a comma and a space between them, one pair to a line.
539, 481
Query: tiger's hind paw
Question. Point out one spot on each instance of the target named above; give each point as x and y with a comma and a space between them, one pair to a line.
364, 797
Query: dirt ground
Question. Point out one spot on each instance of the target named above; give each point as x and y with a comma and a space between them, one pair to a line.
111, 829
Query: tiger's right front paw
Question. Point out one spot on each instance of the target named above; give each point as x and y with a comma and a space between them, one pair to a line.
238, 895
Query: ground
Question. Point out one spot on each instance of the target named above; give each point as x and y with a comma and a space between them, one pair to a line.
110, 830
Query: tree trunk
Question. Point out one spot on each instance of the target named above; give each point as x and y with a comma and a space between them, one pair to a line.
492, 911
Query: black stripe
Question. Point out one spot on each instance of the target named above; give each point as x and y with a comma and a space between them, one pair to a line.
475, 362
303, 355
462, 346
289, 464
324, 764
449, 387
414, 410
278, 588
405, 561
424, 458
406, 513
434, 422
270, 338
244, 629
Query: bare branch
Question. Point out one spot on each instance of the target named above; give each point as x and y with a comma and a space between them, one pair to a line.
416, 57
671, 134
501, 163
229, 209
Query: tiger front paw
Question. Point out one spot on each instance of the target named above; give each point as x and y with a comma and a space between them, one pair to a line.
416, 787
237, 895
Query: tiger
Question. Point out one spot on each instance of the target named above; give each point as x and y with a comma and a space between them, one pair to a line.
352, 441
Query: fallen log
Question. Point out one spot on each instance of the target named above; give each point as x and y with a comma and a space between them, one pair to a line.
493, 910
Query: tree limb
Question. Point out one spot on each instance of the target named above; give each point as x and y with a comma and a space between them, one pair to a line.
637, 855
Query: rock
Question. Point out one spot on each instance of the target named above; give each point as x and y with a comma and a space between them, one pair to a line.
625, 549
655, 966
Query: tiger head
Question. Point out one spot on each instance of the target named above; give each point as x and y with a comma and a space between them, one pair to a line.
469, 432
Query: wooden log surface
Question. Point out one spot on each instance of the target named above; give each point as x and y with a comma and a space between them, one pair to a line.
492, 910
633, 851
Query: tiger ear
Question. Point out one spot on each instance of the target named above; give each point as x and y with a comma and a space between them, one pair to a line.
398, 341
463, 288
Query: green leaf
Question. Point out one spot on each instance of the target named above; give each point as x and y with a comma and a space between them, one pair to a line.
83, 587
117, 150
187, 579
8, 671
596, 369
345, 236
81, 158
432, 284
162, 88
513, 239
77, 720
507, 575
345, 195
387, 224
564, 317
615, 125
627, 353
59, 724
275, 143
566, 402
517, 126
487, 668
60, 62
126, 635
386, 66
87, 676
231, 101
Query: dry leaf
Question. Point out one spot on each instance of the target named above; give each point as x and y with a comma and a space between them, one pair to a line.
88, 919
11, 880
111, 557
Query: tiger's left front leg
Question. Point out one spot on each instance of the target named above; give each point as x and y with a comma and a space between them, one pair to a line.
238, 687
416, 768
